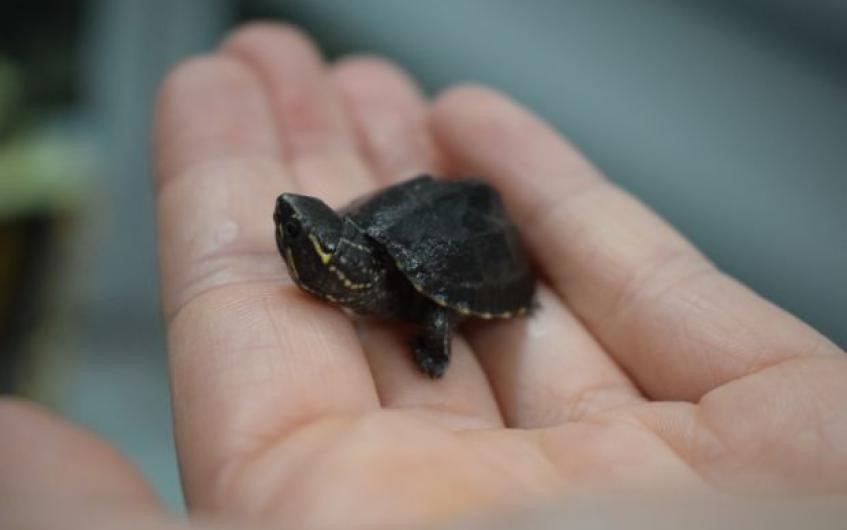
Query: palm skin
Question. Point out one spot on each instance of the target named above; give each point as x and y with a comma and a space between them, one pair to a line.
646, 369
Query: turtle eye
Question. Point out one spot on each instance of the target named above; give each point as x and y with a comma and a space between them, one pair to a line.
292, 229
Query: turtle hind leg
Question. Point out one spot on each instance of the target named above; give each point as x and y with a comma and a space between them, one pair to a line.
432, 347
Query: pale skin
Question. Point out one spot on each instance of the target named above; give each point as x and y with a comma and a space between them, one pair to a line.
645, 369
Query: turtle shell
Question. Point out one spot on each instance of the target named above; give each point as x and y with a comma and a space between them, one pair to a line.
453, 241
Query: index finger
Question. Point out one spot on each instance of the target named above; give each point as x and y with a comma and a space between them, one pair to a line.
673, 321
251, 356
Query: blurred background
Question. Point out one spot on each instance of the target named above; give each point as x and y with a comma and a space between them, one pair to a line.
729, 117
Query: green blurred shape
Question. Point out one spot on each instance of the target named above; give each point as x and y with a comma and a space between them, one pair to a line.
10, 93
44, 170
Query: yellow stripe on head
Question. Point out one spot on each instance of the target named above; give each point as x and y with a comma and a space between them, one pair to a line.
324, 255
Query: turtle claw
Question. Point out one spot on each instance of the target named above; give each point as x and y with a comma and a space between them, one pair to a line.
433, 364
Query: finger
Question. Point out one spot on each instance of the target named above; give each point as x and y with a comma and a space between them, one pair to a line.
389, 113
55, 473
252, 357
547, 369
216, 158
315, 134
672, 321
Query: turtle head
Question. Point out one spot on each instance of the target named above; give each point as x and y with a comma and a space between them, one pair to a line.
307, 234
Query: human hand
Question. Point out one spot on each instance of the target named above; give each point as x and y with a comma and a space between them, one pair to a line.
645, 369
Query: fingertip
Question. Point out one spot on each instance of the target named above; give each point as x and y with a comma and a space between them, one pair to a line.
30, 421
14, 410
209, 106
197, 74
184, 76
255, 38
466, 101
360, 74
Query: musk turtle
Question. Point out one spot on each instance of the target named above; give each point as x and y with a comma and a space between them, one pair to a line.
424, 250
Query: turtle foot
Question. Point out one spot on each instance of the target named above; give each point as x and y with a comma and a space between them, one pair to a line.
431, 362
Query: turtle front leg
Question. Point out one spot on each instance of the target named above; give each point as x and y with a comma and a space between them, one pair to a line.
432, 346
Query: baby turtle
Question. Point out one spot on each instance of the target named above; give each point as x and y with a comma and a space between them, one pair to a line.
424, 250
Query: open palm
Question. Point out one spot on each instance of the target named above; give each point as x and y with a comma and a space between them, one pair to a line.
645, 368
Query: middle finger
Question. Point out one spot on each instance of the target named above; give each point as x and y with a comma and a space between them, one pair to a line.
389, 115
317, 138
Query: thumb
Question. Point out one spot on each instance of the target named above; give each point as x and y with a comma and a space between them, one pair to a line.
57, 475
